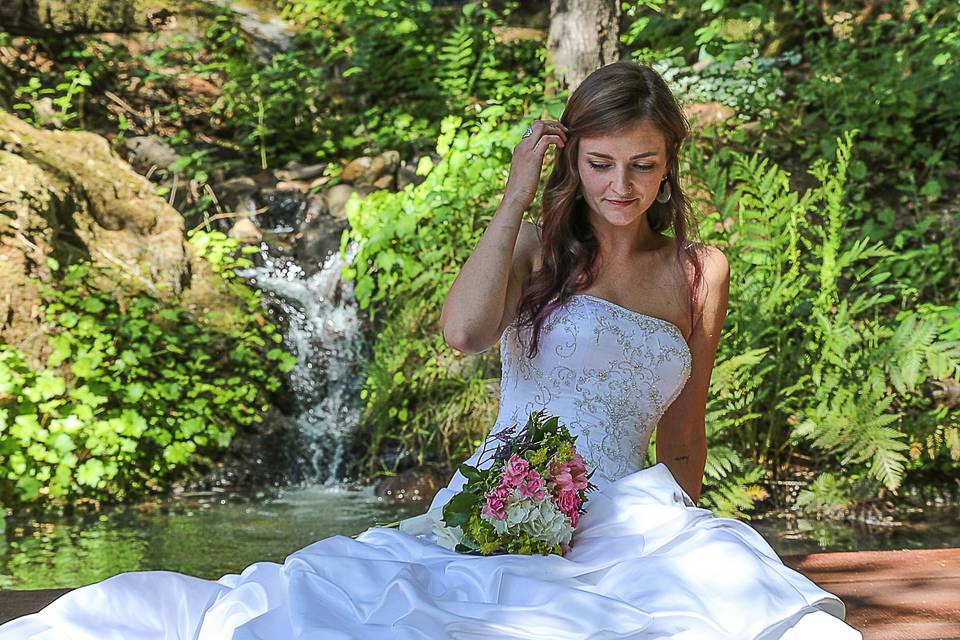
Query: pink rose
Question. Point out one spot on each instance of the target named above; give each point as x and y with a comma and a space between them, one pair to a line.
516, 470
569, 504
494, 507
571, 476
532, 486
562, 480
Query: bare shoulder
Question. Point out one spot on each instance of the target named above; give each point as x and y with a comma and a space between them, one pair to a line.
715, 292
716, 269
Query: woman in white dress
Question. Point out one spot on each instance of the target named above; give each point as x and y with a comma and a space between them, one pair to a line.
603, 320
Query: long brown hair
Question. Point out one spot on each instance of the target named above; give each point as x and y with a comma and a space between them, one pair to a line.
612, 97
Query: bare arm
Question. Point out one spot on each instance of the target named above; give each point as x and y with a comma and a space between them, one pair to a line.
482, 299
484, 296
681, 432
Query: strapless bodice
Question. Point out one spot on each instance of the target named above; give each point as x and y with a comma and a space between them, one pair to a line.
608, 372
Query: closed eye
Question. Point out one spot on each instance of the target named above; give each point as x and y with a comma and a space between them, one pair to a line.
641, 167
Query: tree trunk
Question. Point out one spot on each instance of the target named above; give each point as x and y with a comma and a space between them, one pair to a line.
46, 18
584, 36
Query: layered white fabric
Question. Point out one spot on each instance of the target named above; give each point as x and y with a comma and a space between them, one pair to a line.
646, 563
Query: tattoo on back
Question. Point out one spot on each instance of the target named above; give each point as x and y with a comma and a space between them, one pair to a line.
682, 458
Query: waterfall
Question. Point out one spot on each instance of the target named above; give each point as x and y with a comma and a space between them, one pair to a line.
323, 331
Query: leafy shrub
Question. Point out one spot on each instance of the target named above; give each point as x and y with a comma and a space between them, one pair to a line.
423, 401
816, 363
896, 80
133, 390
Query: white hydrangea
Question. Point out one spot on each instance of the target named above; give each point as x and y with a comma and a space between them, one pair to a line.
548, 524
538, 518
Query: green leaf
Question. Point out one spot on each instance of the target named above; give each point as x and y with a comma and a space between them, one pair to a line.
90, 472
61, 442
28, 488
25, 427
61, 348
47, 385
92, 305
134, 392
472, 474
459, 509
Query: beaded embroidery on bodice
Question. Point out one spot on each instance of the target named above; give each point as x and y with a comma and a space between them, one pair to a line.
608, 372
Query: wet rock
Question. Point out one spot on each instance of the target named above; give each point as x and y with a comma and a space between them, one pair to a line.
316, 242
281, 211
412, 485
407, 174
272, 454
295, 172
293, 185
357, 169
246, 231
316, 207
145, 152
242, 186
237, 194
370, 171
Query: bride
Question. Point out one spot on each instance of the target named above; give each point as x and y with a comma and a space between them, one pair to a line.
603, 320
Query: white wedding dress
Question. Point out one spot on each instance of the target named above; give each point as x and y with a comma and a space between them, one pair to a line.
645, 564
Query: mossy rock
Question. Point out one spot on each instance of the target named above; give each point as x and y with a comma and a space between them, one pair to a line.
68, 196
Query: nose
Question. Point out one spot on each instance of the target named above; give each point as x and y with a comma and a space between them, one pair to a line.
621, 185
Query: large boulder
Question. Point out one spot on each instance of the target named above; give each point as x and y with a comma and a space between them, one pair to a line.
68, 196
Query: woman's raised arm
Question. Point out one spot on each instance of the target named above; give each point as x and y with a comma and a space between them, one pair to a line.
473, 315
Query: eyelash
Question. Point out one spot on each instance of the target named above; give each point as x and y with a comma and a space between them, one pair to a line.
642, 167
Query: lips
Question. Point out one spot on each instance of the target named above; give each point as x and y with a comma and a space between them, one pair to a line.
621, 203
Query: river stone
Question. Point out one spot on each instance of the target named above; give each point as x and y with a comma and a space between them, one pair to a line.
370, 171
417, 484
357, 169
316, 207
337, 197
316, 241
293, 185
295, 172
407, 174
149, 151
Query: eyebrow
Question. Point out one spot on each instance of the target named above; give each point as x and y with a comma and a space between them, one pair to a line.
639, 155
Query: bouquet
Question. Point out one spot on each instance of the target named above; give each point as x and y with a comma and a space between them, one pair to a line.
528, 501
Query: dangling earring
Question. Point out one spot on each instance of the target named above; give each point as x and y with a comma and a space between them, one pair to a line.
665, 191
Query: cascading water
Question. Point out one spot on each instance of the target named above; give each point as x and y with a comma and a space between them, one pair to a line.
323, 330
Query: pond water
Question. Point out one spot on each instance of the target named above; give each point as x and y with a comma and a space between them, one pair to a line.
214, 534
205, 535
